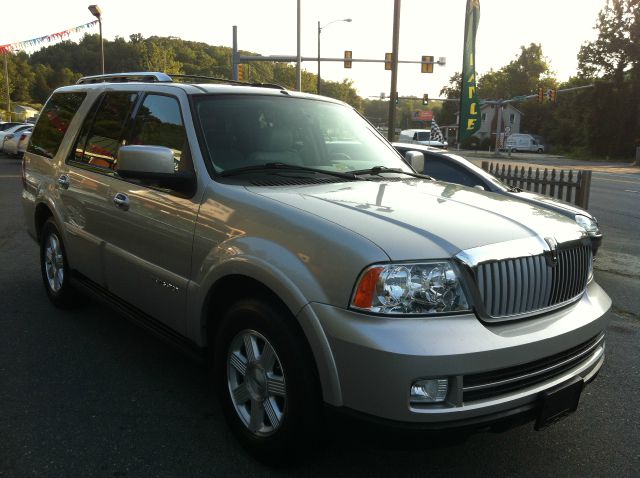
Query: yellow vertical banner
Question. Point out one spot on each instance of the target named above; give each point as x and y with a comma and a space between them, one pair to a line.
469, 106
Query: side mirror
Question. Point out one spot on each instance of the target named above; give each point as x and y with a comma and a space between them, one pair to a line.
154, 164
415, 160
481, 188
145, 161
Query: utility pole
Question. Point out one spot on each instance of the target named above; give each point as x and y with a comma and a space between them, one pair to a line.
394, 71
6, 76
499, 109
299, 57
234, 55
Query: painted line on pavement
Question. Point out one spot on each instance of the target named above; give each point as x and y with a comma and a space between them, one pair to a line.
617, 181
631, 191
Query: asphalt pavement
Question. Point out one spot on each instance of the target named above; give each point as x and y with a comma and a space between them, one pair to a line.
86, 393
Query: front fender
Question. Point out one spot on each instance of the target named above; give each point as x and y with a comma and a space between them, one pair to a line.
271, 264
283, 274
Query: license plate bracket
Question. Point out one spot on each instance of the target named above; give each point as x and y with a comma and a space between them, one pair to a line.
559, 402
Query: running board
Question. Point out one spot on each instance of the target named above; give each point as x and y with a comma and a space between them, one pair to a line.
138, 317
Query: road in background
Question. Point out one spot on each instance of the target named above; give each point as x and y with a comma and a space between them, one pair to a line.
86, 393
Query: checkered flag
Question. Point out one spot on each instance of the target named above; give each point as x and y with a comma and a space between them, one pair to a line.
436, 134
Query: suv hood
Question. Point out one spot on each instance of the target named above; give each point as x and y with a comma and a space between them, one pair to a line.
418, 219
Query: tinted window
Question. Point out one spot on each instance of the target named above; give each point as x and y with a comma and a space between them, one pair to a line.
442, 170
102, 133
159, 123
53, 123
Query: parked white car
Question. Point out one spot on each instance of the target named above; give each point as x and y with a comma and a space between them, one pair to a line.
8, 133
16, 143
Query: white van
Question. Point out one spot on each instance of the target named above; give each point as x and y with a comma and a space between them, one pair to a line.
524, 142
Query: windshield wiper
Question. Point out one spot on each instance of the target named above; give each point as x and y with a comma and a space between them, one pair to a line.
289, 167
376, 170
513, 189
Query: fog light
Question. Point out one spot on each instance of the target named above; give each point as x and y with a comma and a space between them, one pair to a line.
432, 390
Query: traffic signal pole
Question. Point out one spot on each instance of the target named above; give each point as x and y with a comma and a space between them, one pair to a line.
394, 71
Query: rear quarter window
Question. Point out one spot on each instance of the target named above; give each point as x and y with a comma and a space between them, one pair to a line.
53, 123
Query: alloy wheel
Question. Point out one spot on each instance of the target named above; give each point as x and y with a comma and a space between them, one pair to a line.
54, 263
256, 382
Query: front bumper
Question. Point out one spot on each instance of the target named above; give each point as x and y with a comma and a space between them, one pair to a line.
371, 362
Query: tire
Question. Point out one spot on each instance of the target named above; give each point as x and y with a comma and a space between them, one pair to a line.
54, 267
266, 381
540, 150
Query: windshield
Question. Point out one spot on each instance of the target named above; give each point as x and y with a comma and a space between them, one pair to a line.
243, 131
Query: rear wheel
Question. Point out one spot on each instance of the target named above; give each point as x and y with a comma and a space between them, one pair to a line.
54, 266
266, 381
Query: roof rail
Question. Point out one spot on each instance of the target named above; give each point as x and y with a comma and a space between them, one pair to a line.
141, 76
227, 81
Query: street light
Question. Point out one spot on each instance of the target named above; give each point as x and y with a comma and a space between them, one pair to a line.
348, 20
96, 12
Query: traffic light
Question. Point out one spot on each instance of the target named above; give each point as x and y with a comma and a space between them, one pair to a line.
553, 96
347, 54
425, 99
388, 61
240, 72
427, 67
540, 94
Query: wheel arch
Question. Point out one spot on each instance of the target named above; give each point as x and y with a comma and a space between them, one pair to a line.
230, 288
42, 213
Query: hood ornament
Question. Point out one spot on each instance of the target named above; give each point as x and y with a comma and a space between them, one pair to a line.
552, 254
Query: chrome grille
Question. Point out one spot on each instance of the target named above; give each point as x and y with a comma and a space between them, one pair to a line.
523, 285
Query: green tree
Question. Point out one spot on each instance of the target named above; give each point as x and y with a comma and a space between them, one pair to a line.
450, 108
157, 55
616, 48
343, 91
520, 77
613, 126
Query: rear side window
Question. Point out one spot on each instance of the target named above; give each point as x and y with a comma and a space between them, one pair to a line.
53, 123
102, 133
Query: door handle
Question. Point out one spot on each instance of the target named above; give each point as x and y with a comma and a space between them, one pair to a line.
63, 181
121, 200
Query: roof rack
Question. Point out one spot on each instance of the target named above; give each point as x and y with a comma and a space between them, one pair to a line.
159, 77
142, 76
227, 81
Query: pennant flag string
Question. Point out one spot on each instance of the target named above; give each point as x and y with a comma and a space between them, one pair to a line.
21, 45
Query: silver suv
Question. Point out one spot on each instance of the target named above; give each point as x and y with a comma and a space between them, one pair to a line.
282, 235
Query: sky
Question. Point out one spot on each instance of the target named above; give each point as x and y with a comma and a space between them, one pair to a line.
269, 28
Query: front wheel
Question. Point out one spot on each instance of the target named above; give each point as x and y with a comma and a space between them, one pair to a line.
266, 381
54, 266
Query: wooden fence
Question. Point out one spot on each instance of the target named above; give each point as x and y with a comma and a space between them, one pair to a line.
572, 187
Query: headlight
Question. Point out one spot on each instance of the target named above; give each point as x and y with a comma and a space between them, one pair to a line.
400, 289
588, 224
